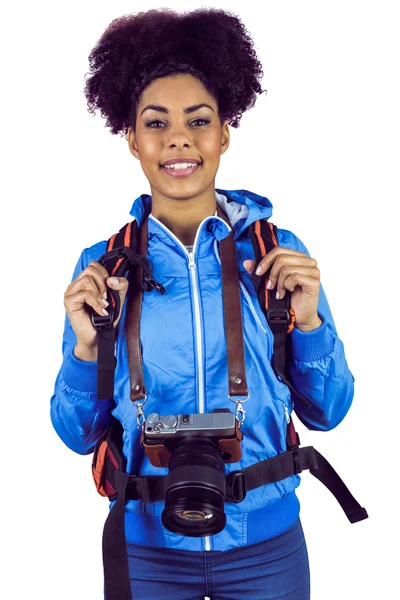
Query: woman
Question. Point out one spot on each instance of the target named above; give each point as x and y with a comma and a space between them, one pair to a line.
173, 83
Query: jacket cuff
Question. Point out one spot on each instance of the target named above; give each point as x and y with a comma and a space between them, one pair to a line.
79, 374
309, 346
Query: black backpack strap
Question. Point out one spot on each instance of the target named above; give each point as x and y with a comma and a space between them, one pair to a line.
278, 313
115, 558
293, 462
238, 483
119, 259
328, 476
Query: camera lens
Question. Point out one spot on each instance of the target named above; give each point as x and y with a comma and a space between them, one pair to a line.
194, 497
193, 515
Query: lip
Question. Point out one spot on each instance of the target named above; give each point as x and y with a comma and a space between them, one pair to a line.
181, 173
181, 159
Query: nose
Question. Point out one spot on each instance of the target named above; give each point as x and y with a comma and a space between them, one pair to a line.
179, 136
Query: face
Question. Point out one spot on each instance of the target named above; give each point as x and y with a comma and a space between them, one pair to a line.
166, 129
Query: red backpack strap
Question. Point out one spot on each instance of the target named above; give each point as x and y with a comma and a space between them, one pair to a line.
122, 254
278, 313
264, 238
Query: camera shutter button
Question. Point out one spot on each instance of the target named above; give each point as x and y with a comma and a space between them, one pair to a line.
153, 418
170, 421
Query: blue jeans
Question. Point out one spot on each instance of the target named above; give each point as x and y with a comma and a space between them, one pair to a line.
276, 568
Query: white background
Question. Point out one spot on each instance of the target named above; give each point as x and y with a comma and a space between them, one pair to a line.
322, 145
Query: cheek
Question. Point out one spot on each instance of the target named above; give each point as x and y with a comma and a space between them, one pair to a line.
210, 146
149, 157
149, 149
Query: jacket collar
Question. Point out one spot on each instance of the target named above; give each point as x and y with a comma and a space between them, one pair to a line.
241, 207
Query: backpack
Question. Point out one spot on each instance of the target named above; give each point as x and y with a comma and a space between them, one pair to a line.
126, 254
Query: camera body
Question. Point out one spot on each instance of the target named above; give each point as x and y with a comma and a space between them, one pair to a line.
195, 448
162, 434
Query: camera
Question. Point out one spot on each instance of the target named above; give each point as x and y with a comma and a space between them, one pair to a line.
195, 448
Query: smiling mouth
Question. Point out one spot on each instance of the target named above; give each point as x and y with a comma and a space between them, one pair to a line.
181, 172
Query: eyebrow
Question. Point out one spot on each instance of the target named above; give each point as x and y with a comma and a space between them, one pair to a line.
187, 110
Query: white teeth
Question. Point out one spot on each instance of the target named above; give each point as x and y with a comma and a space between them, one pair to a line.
181, 166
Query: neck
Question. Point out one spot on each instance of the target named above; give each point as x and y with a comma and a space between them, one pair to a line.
183, 216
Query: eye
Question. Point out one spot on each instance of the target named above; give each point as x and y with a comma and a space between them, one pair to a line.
151, 124
206, 121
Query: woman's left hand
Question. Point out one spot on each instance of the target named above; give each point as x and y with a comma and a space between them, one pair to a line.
296, 272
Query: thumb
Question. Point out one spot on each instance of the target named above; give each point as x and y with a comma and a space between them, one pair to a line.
249, 265
120, 285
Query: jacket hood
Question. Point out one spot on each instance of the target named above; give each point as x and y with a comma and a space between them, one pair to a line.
241, 207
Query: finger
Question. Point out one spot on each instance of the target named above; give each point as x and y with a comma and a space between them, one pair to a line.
249, 265
306, 277
119, 284
272, 256
288, 261
75, 302
96, 266
89, 282
98, 273
86, 282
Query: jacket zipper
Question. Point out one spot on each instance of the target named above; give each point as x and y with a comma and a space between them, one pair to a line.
192, 269
193, 277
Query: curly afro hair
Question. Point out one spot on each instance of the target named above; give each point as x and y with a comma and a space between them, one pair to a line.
211, 44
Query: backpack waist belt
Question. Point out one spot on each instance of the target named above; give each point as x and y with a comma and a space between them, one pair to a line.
238, 483
122, 487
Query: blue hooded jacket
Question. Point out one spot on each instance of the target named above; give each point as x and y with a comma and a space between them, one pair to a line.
185, 371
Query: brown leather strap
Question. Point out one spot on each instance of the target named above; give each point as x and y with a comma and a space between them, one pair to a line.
232, 317
134, 309
232, 313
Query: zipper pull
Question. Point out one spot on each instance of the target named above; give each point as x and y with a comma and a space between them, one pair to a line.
287, 414
192, 264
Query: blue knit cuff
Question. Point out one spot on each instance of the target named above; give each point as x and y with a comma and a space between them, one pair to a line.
309, 346
79, 374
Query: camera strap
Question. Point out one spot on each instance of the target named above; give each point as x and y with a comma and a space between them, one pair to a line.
232, 318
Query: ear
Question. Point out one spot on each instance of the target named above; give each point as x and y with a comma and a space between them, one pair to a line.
132, 143
225, 137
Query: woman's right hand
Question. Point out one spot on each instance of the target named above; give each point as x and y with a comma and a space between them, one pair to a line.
88, 291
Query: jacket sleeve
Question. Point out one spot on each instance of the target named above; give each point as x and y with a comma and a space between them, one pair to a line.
77, 415
318, 367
